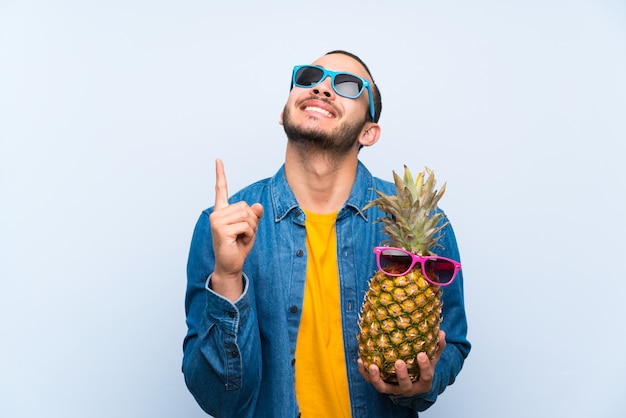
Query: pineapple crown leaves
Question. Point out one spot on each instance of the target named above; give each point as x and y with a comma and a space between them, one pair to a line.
412, 221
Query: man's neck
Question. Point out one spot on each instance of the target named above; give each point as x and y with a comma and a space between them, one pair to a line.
321, 183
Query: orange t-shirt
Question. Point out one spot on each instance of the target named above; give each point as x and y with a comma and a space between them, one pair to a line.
321, 376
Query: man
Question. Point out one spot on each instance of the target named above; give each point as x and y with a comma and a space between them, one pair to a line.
277, 274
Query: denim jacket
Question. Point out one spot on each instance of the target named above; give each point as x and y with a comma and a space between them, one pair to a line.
239, 358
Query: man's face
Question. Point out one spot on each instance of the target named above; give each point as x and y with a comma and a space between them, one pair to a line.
323, 119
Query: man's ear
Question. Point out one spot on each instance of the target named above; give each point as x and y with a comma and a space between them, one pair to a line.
280, 121
370, 134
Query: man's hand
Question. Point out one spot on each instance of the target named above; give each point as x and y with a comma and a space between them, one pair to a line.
404, 386
234, 231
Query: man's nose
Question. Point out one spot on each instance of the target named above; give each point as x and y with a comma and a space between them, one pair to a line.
325, 87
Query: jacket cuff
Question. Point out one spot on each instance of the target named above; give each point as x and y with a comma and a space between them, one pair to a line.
224, 313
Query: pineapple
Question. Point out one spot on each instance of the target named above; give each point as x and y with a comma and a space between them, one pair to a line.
400, 315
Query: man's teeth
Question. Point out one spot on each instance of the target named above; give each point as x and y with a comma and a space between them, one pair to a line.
319, 110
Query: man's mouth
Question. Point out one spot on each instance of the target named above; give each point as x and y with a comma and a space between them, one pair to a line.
318, 110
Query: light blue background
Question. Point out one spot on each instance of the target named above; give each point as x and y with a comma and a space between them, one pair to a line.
112, 113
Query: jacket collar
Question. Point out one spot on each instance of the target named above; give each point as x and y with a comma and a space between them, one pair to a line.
284, 201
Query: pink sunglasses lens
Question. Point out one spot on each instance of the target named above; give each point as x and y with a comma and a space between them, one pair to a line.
440, 271
394, 261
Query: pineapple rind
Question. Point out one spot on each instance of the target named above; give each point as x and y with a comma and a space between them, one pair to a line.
389, 334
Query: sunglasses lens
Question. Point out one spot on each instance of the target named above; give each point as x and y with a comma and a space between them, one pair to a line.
348, 85
394, 261
308, 76
440, 271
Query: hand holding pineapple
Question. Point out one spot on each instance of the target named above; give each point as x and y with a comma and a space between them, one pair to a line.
234, 229
405, 386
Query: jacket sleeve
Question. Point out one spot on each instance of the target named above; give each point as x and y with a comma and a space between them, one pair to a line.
222, 351
454, 324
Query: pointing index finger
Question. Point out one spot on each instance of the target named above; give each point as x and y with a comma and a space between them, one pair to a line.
221, 187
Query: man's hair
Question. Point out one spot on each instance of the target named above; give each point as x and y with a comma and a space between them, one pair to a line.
378, 104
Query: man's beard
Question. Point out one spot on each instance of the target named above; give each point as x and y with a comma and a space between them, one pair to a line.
337, 143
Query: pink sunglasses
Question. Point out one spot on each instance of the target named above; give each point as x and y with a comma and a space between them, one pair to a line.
439, 271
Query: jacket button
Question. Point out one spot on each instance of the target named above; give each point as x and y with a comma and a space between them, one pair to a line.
293, 309
299, 253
